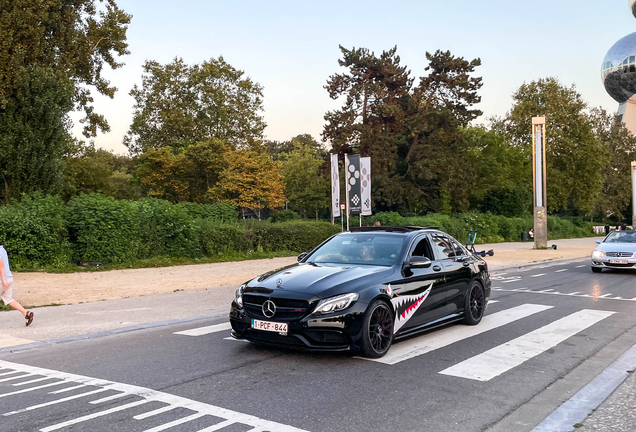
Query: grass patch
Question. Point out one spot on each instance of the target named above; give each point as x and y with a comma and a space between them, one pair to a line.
164, 262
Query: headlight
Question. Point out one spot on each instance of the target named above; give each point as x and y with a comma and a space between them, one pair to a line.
597, 254
335, 304
239, 295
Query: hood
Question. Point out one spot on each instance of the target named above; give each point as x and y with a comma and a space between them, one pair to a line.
617, 247
320, 280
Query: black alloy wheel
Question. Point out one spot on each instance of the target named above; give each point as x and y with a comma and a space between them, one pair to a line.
475, 304
377, 333
597, 269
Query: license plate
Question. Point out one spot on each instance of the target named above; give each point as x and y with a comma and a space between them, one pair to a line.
619, 262
281, 328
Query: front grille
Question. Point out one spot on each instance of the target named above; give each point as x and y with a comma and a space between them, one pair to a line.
619, 254
286, 309
619, 265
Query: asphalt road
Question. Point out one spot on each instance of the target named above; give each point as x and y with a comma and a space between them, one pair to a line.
544, 321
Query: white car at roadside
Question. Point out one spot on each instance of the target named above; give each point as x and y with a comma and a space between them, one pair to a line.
616, 251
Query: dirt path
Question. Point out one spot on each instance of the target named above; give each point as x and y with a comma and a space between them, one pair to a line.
45, 288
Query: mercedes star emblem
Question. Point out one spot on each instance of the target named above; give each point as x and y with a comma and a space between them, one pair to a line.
279, 282
269, 308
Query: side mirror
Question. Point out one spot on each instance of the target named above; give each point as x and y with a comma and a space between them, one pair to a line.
599, 241
419, 262
302, 256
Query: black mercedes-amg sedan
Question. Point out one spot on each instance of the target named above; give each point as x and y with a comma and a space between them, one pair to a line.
363, 289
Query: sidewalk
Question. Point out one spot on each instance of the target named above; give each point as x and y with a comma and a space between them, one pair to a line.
102, 303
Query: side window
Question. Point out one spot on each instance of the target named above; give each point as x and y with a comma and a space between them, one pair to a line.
423, 249
459, 250
443, 246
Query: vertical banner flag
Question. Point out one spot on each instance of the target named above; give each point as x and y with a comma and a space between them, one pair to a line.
365, 185
335, 186
353, 185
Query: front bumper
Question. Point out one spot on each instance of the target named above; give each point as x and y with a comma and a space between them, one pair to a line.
606, 262
335, 332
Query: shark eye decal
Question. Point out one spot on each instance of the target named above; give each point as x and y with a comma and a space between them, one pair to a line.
405, 307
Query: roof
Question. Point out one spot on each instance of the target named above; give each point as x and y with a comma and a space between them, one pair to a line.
404, 229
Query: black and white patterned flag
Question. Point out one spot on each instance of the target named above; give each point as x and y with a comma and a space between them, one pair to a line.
353, 185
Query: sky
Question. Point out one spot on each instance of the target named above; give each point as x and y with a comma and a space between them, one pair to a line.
292, 47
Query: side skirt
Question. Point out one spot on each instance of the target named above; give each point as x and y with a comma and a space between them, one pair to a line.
441, 322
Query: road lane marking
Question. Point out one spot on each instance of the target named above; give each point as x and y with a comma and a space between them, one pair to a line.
562, 270
93, 416
67, 389
236, 340
538, 275
574, 294
31, 382
441, 338
175, 423
30, 389
155, 412
15, 378
581, 266
109, 398
148, 395
505, 357
605, 295
218, 426
200, 331
55, 402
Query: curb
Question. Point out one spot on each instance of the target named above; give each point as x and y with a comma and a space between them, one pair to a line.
40, 344
578, 407
555, 262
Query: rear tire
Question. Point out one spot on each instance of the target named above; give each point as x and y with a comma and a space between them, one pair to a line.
377, 330
475, 304
597, 269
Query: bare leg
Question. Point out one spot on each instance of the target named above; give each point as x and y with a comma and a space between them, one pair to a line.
17, 306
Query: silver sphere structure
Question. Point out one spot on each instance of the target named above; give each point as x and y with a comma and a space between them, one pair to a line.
619, 69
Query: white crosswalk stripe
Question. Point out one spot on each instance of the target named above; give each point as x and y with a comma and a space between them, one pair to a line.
95, 386
502, 358
441, 338
200, 331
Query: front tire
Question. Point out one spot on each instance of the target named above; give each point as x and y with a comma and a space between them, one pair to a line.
475, 304
597, 269
377, 330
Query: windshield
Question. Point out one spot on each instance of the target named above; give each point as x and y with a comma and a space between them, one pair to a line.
621, 237
363, 248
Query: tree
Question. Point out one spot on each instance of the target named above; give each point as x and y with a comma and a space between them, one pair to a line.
574, 155
277, 149
179, 104
434, 148
186, 176
620, 144
71, 39
89, 170
251, 180
33, 132
305, 188
376, 91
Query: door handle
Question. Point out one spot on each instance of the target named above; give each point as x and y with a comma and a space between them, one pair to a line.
437, 268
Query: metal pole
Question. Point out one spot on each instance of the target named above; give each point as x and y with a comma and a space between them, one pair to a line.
634, 195
347, 188
539, 183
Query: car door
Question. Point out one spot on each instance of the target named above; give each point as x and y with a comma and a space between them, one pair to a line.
457, 267
420, 296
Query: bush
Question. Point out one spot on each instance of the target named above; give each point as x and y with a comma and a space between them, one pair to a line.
33, 232
284, 216
216, 238
166, 230
220, 212
103, 229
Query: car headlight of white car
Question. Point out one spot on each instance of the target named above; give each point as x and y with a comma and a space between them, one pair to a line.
598, 254
335, 304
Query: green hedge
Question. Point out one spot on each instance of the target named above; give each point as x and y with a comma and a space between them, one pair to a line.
42, 231
490, 228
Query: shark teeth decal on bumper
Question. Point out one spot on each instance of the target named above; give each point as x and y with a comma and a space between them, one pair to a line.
405, 307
